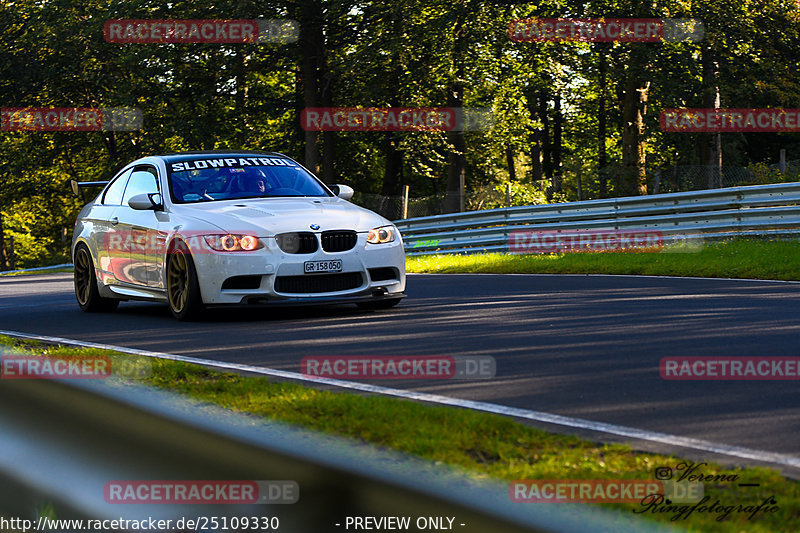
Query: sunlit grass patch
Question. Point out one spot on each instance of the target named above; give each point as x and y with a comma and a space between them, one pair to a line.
738, 258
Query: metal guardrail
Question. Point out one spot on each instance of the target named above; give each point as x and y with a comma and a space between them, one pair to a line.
711, 214
25, 270
718, 213
63, 441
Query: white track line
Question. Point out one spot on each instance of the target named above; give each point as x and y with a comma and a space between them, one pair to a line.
539, 416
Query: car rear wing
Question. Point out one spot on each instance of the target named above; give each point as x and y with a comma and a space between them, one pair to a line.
78, 185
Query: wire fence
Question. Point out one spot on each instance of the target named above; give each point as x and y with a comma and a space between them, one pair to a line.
391, 207
490, 196
681, 178
685, 178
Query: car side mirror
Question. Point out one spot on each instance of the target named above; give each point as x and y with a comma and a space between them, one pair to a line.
145, 201
343, 191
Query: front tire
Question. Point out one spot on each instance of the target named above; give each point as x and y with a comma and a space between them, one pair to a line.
85, 279
183, 290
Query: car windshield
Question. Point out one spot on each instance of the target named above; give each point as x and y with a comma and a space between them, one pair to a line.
211, 179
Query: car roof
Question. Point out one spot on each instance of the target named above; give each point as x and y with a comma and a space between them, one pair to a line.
186, 156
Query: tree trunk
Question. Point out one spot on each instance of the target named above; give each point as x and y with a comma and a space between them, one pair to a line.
110, 140
710, 143
456, 163
240, 69
547, 161
602, 162
633, 179
208, 134
544, 141
311, 45
393, 162
536, 155
558, 121
392, 175
328, 174
512, 171
534, 138
299, 134
456, 160
328, 137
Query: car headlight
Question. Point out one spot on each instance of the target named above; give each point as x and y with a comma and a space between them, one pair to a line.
381, 235
233, 243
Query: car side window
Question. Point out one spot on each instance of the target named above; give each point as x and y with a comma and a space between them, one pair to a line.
113, 194
142, 181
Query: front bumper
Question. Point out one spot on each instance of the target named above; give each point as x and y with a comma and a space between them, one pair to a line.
375, 296
273, 276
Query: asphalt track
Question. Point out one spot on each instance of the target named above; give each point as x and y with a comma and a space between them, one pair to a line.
574, 345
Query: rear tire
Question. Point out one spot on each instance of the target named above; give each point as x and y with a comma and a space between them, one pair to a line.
183, 290
85, 280
380, 304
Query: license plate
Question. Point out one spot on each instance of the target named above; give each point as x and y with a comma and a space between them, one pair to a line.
312, 267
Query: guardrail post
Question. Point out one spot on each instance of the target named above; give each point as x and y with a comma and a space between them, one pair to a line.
461, 191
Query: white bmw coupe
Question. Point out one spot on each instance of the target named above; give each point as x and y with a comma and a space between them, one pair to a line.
201, 229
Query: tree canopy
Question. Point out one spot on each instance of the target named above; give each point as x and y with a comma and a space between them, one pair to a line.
571, 120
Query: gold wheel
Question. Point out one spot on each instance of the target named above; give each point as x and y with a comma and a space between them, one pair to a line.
178, 281
83, 276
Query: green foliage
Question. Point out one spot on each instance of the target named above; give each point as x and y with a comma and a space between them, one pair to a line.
496, 196
764, 174
404, 53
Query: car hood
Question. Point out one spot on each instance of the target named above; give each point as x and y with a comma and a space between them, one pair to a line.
269, 216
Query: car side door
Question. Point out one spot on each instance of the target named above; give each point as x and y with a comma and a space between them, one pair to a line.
108, 243
142, 226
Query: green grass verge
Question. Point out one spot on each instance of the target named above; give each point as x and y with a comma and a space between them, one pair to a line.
737, 258
482, 445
